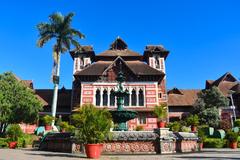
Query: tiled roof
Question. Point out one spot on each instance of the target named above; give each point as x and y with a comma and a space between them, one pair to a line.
186, 97
225, 87
82, 50
141, 68
28, 83
64, 96
94, 69
116, 53
236, 88
225, 83
138, 68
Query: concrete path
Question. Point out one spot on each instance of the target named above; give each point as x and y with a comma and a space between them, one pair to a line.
207, 154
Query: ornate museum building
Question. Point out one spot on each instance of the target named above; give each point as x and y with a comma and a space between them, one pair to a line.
95, 79
95, 82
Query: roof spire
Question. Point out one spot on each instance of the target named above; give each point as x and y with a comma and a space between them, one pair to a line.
118, 44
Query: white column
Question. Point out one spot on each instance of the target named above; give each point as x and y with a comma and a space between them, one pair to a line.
130, 94
137, 91
101, 97
108, 91
94, 95
144, 97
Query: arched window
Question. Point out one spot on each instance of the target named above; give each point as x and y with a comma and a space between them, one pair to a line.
157, 62
140, 98
112, 98
98, 98
134, 98
105, 97
126, 99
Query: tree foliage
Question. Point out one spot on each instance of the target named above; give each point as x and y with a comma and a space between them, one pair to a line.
60, 29
17, 102
207, 106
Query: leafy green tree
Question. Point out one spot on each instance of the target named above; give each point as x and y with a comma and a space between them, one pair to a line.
59, 28
207, 106
17, 102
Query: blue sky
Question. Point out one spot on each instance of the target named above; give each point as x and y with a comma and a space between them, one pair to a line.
203, 36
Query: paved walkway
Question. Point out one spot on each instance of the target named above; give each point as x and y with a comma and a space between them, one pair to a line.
207, 154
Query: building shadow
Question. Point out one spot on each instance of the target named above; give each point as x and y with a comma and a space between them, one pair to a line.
206, 157
56, 154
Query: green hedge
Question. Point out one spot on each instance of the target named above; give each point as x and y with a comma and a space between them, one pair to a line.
26, 139
3, 142
214, 143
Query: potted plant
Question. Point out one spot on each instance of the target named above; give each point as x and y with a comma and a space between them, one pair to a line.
201, 138
64, 126
13, 132
174, 126
47, 120
193, 120
161, 113
92, 127
232, 138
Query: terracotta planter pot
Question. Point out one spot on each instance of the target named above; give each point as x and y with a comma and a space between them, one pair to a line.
201, 145
48, 127
12, 145
193, 128
93, 150
233, 145
161, 124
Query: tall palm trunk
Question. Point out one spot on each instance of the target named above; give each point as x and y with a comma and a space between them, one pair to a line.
55, 90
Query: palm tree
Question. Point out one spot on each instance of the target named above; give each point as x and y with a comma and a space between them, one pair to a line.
59, 29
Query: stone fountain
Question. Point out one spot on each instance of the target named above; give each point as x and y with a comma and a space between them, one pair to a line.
121, 116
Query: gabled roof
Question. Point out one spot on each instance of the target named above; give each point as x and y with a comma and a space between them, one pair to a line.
183, 97
226, 77
141, 68
87, 50
225, 83
96, 68
155, 49
29, 84
137, 67
118, 48
175, 91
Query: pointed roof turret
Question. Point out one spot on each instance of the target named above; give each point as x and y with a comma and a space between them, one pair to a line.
118, 44
118, 48
175, 91
226, 77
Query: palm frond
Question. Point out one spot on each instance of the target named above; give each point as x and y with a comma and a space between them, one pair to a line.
59, 28
68, 19
44, 28
66, 42
56, 18
75, 43
77, 33
44, 39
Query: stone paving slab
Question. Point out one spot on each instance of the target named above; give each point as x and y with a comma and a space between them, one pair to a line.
208, 154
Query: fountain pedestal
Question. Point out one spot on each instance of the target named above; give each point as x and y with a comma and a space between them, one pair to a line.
121, 116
